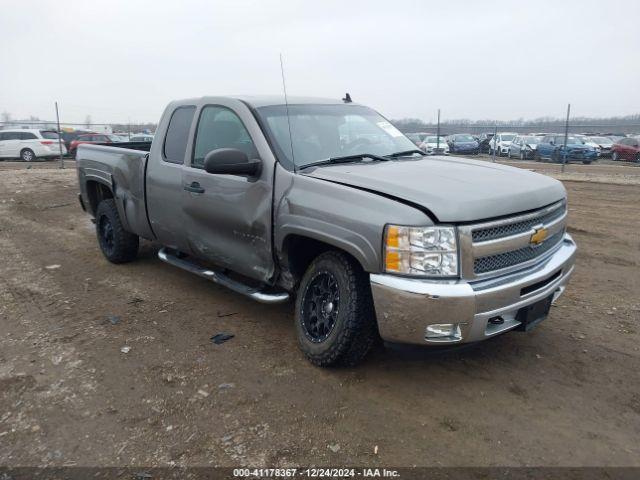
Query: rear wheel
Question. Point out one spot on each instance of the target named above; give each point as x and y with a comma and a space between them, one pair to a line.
587, 162
637, 157
27, 155
117, 245
335, 319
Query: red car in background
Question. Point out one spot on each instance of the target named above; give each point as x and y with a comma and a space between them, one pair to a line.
626, 149
100, 138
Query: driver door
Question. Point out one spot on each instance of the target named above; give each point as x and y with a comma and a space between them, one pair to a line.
228, 217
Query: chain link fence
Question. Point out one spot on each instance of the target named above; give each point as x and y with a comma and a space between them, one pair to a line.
558, 140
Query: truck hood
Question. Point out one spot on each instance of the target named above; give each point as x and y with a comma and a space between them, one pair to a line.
453, 189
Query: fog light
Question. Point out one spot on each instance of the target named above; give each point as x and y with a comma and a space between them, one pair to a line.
443, 331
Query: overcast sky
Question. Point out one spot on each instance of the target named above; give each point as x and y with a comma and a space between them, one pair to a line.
121, 60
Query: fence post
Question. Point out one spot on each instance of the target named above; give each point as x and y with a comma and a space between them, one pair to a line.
438, 133
59, 136
566, 137
495, 142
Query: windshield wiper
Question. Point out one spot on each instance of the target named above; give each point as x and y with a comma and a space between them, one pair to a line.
405, 153
346, 159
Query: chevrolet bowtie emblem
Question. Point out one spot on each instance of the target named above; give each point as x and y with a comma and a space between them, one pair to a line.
539, 236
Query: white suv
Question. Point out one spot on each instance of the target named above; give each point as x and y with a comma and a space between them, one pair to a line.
501, 143
29, 144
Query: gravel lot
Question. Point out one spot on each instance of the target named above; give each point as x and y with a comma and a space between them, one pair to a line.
565, 394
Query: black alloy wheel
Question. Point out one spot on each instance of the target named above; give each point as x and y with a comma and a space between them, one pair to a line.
320, 307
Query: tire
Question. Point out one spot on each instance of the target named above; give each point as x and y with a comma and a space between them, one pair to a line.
117, 245
587, 162
615, 157
509, 154
522, 155
27, 155
335, 291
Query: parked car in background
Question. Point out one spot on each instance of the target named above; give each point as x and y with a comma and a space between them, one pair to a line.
70, 136
463, 143
501, 142
141, 137
484, 140
603, 143
92, 138
30, 144
432, 146
626, 149
552, 148
524, 146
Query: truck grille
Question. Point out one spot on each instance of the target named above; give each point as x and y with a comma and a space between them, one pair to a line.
501, 231
500, 246
514, 257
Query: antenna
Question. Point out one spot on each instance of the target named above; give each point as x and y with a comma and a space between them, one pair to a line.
286, 102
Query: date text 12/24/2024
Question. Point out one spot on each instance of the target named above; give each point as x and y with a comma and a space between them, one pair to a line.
316, 472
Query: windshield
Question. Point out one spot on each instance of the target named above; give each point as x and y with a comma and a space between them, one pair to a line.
434, 140
49, 135
114, 138
531, 140
601, 140
319, 132
463, 138
507, 137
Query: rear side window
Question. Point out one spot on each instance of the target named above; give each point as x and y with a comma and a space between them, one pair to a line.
49, 135
175, 142
27, 136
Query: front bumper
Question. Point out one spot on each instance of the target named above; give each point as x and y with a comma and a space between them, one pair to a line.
406, 306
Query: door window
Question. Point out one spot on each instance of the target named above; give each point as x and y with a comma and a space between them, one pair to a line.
175, 141
220, 127
27, 136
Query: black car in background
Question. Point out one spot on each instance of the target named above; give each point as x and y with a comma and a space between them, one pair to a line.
484, 140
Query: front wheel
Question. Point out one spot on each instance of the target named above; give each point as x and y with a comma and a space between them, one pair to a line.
615, 156
335, 319
117, 245
27, 155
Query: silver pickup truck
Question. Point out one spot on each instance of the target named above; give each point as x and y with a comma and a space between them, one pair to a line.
328, 202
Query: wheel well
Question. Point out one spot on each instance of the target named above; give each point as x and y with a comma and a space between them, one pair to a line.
297, 254
97, 192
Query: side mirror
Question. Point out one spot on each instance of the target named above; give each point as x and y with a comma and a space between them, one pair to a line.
231, 161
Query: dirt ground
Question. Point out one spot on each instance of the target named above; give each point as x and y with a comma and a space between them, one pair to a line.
565, 394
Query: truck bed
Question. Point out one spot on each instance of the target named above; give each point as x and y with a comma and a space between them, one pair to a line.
121, 168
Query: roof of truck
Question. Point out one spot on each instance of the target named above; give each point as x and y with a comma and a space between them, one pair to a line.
257, 101
268, 100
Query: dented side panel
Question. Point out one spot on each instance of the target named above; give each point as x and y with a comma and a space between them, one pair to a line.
347, 218
122, 171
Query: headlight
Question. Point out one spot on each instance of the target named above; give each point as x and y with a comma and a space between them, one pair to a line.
421, 251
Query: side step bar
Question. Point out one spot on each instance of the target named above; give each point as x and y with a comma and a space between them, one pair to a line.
166, 255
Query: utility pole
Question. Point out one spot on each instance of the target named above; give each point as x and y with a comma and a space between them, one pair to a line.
566, 137
59, 136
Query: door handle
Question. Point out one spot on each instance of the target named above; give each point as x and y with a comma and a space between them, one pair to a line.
194, 188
